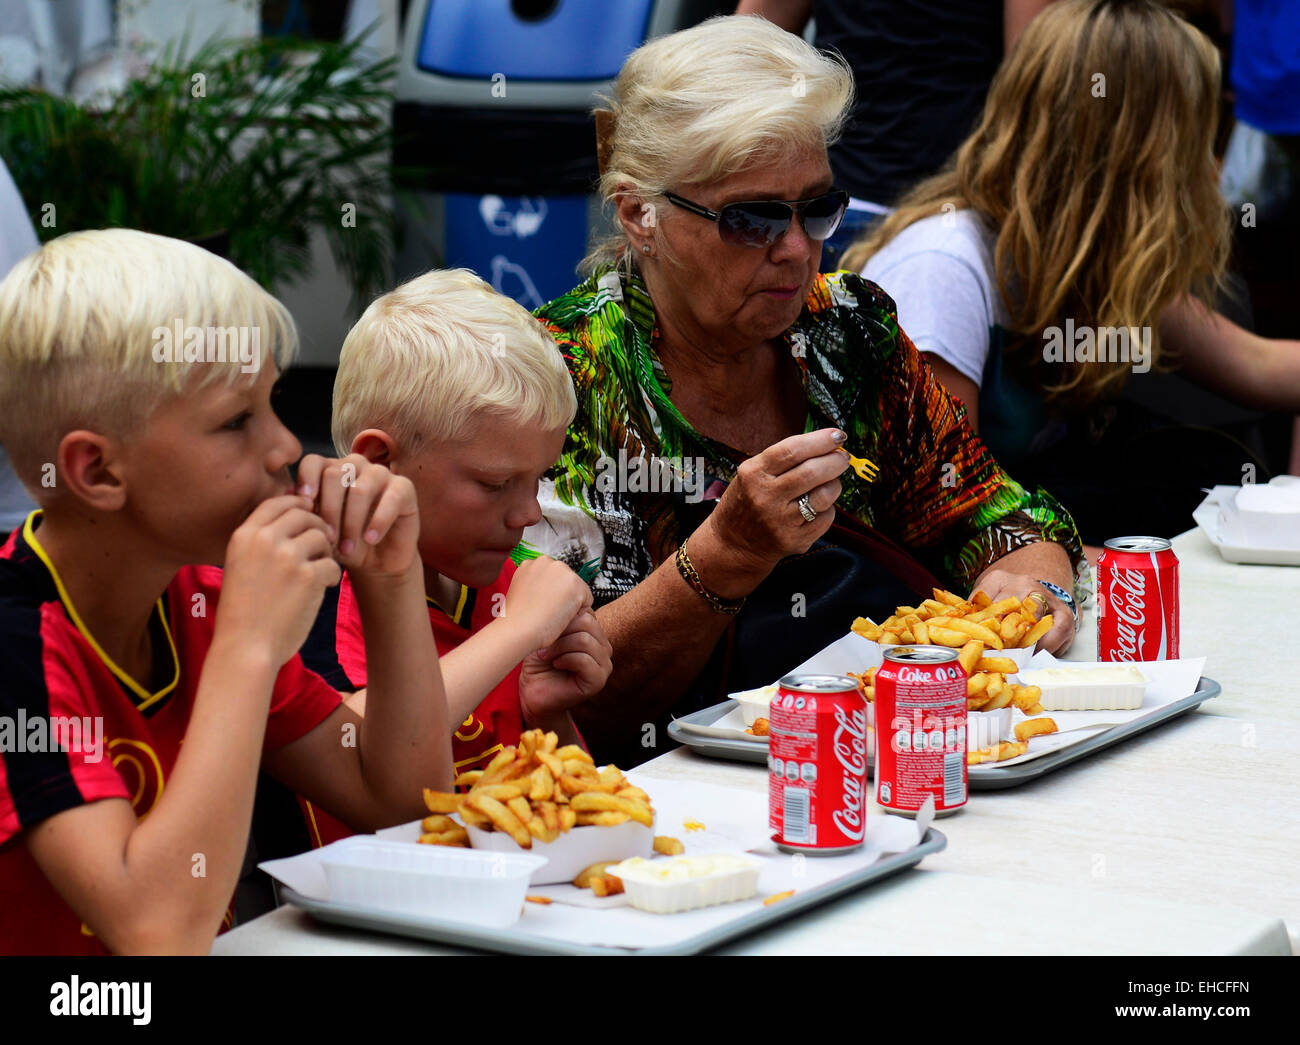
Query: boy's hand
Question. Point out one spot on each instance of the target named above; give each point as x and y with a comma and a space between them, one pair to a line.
570, 671
371, 512
277, 567
543, 599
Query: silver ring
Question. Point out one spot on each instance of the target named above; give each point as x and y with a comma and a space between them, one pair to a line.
806, 509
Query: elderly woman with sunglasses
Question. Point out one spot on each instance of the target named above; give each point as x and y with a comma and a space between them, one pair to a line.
719, 377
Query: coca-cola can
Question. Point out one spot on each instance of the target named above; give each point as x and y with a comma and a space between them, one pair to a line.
1137, 600
921, 730
817, 765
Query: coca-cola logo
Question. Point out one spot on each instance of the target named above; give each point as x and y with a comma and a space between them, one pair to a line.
1128, 590
850, 744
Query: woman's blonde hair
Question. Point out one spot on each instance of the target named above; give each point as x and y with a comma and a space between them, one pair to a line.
99, 328
426, 359
710, 101
1093, 161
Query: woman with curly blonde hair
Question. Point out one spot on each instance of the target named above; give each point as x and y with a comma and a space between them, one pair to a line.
1076, 237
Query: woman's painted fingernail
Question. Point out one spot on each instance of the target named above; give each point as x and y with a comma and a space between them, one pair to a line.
306, 490
839, 436
347, 546
372, 536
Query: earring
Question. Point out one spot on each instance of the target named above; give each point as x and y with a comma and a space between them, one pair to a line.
645, 248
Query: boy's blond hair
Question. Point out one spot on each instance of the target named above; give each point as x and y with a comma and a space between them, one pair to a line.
80, 341
425, 359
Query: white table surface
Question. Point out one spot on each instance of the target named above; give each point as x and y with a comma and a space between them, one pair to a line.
1185, 840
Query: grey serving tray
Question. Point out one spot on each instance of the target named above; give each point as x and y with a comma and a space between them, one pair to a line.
993, 778
517, 941
983, 778
717, 747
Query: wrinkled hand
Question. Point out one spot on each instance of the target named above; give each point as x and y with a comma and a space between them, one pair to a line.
371, 513
571, 670
758, 517
1001, 584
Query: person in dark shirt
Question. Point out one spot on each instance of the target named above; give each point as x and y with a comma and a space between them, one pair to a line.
922, 69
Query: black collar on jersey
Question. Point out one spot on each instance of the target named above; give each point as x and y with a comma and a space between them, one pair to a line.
464, 612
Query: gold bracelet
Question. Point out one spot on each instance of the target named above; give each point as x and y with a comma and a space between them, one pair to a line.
687, 569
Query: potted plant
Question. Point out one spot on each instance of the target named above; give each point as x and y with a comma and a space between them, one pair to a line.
245, 148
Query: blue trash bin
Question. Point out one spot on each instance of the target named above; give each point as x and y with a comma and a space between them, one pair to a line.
494, 130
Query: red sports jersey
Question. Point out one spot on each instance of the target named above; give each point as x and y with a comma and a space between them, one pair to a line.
55, 675
496, 723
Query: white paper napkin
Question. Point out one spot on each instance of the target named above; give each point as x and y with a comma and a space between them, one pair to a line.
1167, 681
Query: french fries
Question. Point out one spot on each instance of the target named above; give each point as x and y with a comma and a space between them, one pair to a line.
1005, 750
1034, 727
1005, 665
972, 627
666, 845
454, 835
596, 870
598, 880
535, 790
760, 728
607, 885
866, 683
950, 620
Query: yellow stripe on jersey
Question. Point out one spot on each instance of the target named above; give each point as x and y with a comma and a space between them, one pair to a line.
479, 757
461, 600
147, 699
460, 607
311, 820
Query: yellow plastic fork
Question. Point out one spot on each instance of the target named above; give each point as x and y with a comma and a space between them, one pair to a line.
867, 470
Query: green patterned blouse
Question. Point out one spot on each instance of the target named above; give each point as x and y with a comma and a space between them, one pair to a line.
616, 501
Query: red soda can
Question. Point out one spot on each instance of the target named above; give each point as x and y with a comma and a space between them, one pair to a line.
1137, 600
921, 730
817, 765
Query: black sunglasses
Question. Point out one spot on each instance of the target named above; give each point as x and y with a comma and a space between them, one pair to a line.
761, 223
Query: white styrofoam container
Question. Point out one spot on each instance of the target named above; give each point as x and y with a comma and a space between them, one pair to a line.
755, 703
648, 890
574, 850
430, 880
1083, 694
986, 728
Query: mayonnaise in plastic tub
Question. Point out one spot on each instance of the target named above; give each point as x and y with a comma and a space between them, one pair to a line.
1105, 687
683, 883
